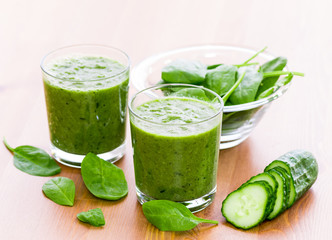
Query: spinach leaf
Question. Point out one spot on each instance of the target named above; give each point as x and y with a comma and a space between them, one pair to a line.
192, 93
60, 190
184, 71
285, 80
246, 91
33, 161
221, 79
171, 216
276, 64
95, 217
266, 93
281, 82
103, 179
211, 67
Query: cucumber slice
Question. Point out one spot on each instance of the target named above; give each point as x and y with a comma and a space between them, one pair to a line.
287, 177
303, 169
265, 176
247, 206
291, 186
280, 202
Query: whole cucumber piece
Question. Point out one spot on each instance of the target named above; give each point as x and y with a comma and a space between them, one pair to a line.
303, 169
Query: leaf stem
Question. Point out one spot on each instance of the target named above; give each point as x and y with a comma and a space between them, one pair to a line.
230, 91
245, 64
7, 145
207, 221
278, 73
211, 67
255, 55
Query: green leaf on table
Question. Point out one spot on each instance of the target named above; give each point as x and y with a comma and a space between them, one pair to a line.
221, 79
171, 216
184, 71
95, 217
60, 190
103, 179
33, 161
246, 91
276, 64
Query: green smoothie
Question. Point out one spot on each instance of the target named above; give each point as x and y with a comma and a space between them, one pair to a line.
86, 100
175, 148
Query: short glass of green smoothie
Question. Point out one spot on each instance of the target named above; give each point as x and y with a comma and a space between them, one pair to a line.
86, 89
175, 131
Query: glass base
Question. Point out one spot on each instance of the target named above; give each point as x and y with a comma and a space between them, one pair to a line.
195, 205
75, 160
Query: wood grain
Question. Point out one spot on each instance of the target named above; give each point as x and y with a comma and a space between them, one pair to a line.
299, 30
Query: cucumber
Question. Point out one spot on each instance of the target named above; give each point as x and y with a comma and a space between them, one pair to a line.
302, 168
268, 194
280, 202
270, 179
247, 206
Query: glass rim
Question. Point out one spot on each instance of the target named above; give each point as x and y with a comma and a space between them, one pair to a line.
126, 69
227, 109
219, 110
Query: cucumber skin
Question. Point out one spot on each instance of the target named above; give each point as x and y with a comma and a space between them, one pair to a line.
304, 170
267, 187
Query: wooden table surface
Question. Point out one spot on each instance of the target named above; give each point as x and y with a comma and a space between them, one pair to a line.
302, 118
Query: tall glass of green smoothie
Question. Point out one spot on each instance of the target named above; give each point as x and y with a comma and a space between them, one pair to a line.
86, 88
175, 131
